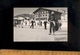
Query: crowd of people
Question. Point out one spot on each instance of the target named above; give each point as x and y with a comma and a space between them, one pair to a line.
55, 25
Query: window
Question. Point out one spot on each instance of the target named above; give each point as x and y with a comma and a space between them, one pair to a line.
46, 14
44, 11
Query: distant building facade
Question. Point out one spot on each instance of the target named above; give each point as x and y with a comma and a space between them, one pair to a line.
43, 14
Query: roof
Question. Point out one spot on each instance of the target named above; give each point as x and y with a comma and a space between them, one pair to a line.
47, 10
23, 15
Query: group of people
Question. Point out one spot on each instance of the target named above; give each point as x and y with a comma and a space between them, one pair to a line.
33, 23
55, 25
19, 23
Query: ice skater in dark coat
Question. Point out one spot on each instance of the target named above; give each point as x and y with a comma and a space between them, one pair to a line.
52, 23
32, 24
45, 24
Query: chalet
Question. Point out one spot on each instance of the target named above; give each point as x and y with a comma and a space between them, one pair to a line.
43, 14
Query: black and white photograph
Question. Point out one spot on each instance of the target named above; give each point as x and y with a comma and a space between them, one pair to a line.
40, 24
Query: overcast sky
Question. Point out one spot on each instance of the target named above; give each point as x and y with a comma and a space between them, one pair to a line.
18, 11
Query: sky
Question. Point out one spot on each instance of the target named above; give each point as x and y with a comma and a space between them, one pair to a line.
28, 10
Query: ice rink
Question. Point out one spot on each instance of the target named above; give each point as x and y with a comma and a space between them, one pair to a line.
38, 34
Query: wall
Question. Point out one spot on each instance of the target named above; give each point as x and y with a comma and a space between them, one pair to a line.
42, 15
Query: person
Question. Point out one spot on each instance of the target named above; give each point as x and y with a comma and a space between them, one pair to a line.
52, 23
56, 25
18, 23
32, 24
40, 22
60, 24
22, 23
25, 23
15, 23
35, 23
45, 24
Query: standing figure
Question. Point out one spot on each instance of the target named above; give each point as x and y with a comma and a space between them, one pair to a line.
52, 23
15, 23
18, 23
26, 23
45, 24
59, 24
32, 24
56, 25
22, 23
40, 22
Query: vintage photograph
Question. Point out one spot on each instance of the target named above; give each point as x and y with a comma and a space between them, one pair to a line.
40, 24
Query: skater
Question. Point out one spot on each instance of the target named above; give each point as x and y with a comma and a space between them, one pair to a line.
52, 23
25, 22
59, 24
18, 23
32, 24
22, 23
45, 24
40, 22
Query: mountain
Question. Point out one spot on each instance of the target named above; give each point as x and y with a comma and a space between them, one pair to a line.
23, 15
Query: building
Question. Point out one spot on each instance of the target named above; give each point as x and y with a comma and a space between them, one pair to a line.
43, 14
18, 18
